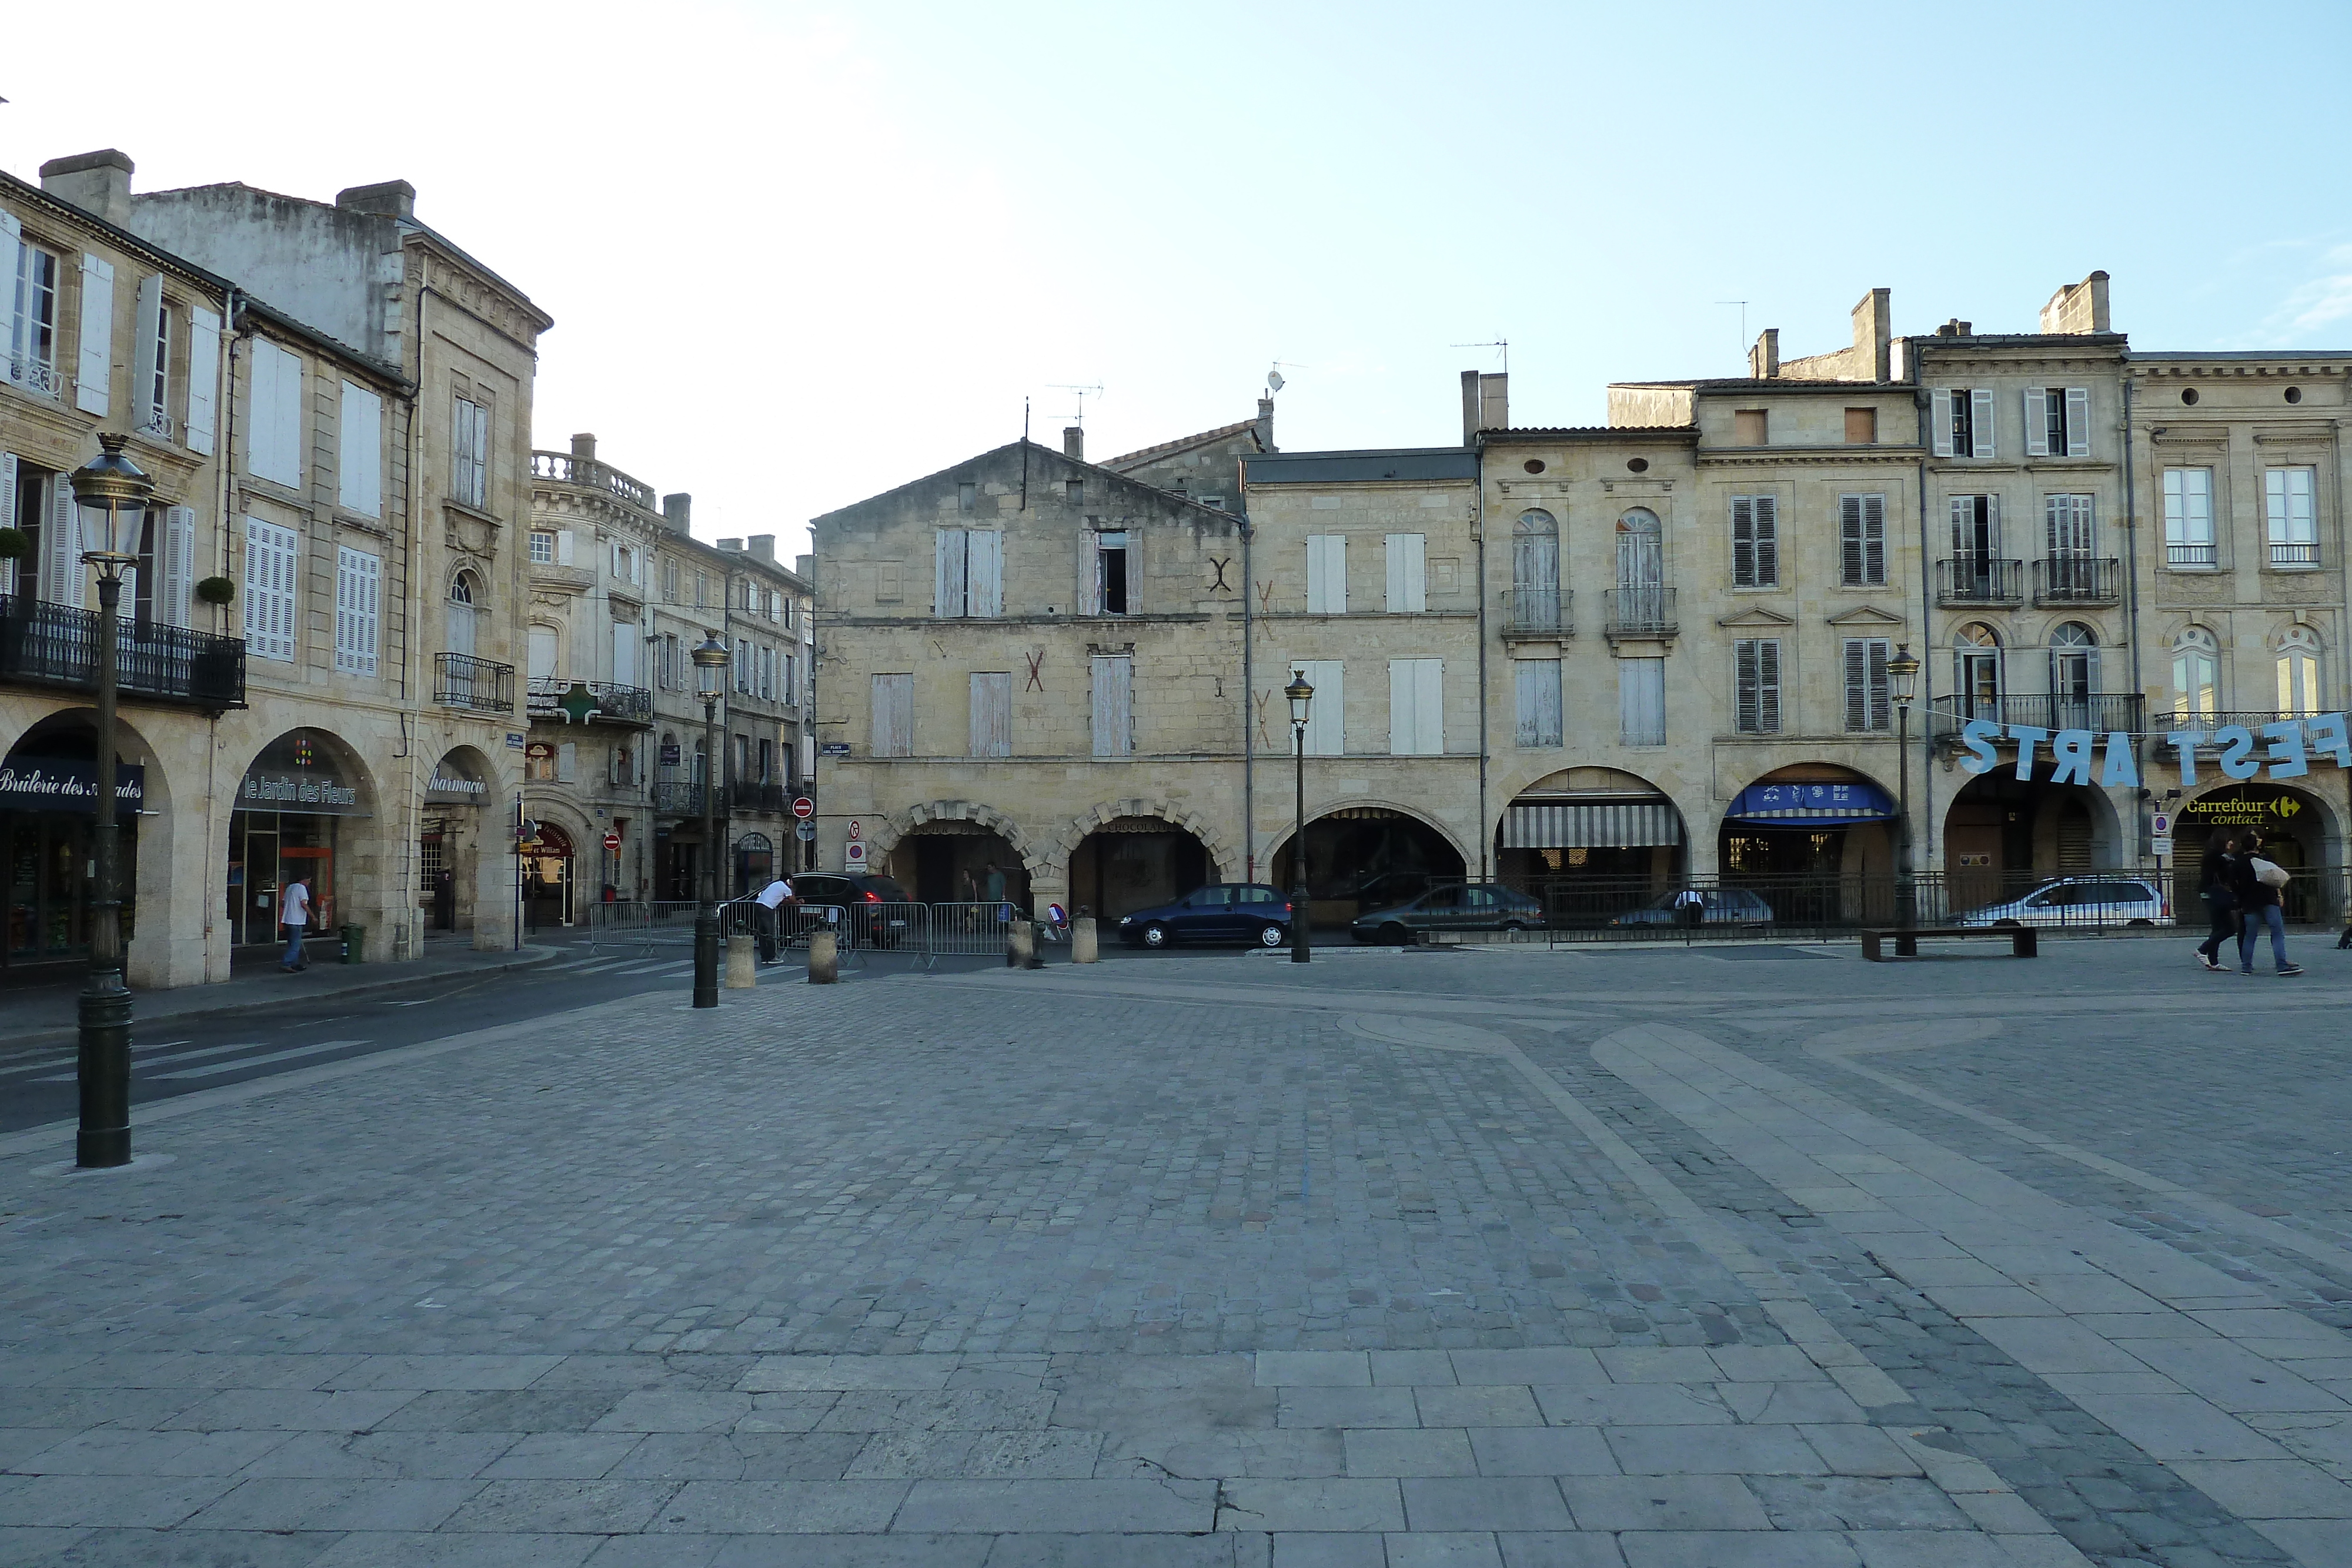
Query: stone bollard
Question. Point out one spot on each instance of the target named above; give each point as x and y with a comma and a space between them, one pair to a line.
1082, 940
1020, 945
824, 959
743, 965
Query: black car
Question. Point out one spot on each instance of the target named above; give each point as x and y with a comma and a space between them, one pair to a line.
857, 896
1473, 906
1248, 911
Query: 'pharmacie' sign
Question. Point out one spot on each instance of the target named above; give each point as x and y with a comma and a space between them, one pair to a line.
456, 782
2288, 747
62, 784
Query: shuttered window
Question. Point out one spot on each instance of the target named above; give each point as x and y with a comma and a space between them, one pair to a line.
1641, 702
1326, 715
94, 378
1869, 699
204, 377
151, 359
2057, 422
271, 557
28, 311
63, 574
359, 579
273, 439
1327, 574
991, 715
1408, 575
179, 573
470, 453
1755, 686
1114, 704
1535, 685
1862, 540
1754, 541
1416, 707
1960, 422
968, 572
360, 454
894, 716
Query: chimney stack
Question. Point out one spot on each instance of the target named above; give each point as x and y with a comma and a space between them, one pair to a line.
678, 511
583, 448
1266, 424
1874, 328
732, 546
764, 546
2079, 307
392, 199
96, 182
1074, 442
1764, 358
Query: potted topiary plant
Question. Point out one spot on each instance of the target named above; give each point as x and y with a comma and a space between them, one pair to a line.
15, 544
217, 591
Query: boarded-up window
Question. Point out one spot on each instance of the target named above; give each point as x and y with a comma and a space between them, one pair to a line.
968, 572
359, 451
1536, 690
894, 716
1751, 427
1754, 541
273, 440
1327, 574
1862, 540
1327, 715
1756, 685
1641, 702
1408, 575
991, 715
270, 557
358, 586
1416, 707
1869, 699
1114, 704
1861, 427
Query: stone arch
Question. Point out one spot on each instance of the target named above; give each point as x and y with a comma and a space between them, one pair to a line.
1224, 863
1321, 809
885, 833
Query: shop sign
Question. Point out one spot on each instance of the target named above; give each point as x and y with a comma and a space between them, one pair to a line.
1811, 805
834, 748
2289, 746
2241, 807
62, 784
455, 783
669, 754
285, 776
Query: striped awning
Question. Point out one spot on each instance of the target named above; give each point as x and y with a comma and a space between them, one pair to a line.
1592, 824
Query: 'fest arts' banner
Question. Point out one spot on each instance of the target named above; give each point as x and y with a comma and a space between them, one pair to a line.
2288, 749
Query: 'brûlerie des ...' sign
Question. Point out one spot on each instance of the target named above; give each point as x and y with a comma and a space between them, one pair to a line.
2288, 747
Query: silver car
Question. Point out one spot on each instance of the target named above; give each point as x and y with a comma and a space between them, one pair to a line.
2078, 901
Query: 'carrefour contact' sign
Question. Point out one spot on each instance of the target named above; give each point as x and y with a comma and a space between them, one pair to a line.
2287, 746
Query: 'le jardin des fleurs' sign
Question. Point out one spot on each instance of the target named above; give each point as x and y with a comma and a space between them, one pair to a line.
2289, 747
293, 773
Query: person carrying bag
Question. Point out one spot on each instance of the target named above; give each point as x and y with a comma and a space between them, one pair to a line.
2257, 882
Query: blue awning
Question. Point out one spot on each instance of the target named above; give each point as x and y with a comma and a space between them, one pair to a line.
1809, 805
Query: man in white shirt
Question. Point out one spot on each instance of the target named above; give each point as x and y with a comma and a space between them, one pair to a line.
294, 914
772, 899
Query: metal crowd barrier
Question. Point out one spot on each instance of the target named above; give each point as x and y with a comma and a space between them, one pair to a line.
914, 935
970, 930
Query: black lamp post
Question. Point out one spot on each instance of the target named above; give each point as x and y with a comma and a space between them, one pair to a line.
1301, 695
1903, 670
112, 494
709, 679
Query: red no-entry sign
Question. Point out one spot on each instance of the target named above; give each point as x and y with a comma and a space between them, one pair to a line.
612, 841
804, 807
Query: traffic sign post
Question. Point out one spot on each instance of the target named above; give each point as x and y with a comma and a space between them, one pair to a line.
807, 830
613, 842
804, 807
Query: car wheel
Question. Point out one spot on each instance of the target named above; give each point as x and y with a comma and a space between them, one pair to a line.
2149, 923
1515, 926
2009, 924
1156, 936
1394, 934
1271, 936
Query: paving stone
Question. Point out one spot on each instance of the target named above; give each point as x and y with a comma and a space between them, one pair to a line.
1311, 1505
1313, 1369
1720, 1450
1705, 1549
1560, 1549
1349, 1407
283, 1505
994, 1506
118, 1451
108, 1501
766, 1508
383, 1456
1541, 1451
185, 1549
563, 1456
1687, 1503
1328, 1549
559, 1507
397, 1549
1085, 1551
1477, 1406
1852, 1502
1441, 1452
1469, 1548
1494, 1503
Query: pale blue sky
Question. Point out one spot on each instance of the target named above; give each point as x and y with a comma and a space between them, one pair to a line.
799, 253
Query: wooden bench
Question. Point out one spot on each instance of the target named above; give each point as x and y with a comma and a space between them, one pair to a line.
2022, 941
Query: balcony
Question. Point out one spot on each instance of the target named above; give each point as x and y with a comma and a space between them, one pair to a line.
460, 680
677, 797
2294, 557
2077, 579
57, 645
606, 702
36, 376
2099, 711
587, 472
1640, 612
1534, 611
1980, 579
768, 798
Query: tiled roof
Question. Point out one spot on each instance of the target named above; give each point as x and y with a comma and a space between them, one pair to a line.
1146, 455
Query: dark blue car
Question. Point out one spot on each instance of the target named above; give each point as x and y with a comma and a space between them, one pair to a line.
1243, 912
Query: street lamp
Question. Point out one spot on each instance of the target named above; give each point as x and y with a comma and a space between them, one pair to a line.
1301, 695
1903, 670
112, 494
709, 679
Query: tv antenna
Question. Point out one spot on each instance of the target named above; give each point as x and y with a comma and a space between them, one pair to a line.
1500, 344
1078, 418
1273, 373
1743, 321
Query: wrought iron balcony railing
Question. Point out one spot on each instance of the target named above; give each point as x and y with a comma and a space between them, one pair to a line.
677, 797
460, 680
614, 703
1641, 612
58, 645
1537, 611
752, 796
2052, 711
1980, 579
2077, 579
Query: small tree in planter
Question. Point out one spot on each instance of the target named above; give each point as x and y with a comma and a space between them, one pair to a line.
216, 591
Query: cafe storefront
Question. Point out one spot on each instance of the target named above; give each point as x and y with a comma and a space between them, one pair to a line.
288, 822
48, 806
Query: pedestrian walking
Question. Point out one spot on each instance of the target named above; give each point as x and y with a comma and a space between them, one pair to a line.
771, 901
2256, 881
993, 883
2214, 874
294, 914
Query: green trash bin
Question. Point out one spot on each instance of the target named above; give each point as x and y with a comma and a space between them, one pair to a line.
354, 941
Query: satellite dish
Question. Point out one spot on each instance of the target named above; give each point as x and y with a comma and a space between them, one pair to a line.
1273, 380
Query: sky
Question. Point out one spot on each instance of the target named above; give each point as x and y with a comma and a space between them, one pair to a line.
799, 253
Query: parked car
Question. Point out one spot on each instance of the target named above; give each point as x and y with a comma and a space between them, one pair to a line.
1724, 906
815, 891
2078, 901
1248, 911
1395, 889
1470, 906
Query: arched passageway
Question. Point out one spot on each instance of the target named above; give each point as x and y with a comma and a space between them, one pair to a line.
1135, 862
48, 795
956, 862
1367, 857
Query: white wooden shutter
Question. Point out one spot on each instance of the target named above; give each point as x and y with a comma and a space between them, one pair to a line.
63, 572
359, 482
1874, 539
567, 762
12, 237
1408, 574
1980, 422
1642, 701
1850, 541
948, 568
984, 571
2078, 422
894, 716
1939, 421
1089, 599
1743, 541
1768, 541
97, 371
1535, 683
1416, 707
539, 650
1868, 697
991, 715
270, 568
204, 377
147, 323
1326, 717
179, 566
1327, 574
260, 393
274, 432
481, 496
563, 547
2037, 422
1114, 704
8, 512
358, 580
625, 652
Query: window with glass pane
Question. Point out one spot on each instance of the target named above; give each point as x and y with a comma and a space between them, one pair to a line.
2298, 674
2287, 497
543, 548
2196, 675
2188, 517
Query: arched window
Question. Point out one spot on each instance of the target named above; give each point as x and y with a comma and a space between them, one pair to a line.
1535, 571
2073, 674
1976, 671
2298, 674
1641, 570
2196, 675
463, 596
542, 653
